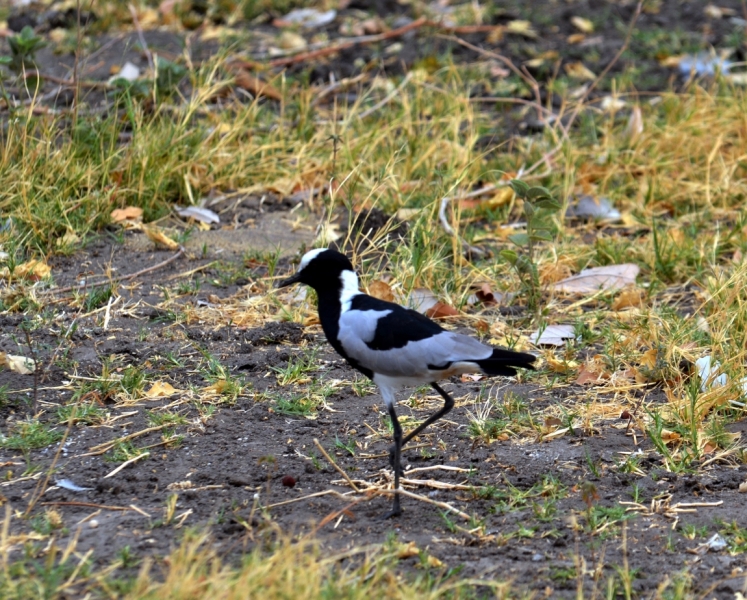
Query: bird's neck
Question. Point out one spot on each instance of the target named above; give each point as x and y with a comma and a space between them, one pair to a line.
333, 303
348, 289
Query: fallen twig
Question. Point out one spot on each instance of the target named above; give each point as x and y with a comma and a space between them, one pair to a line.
315, 495
335, 465
85, 504
127, 463
101, 448
443, 505
348, 43
160, 265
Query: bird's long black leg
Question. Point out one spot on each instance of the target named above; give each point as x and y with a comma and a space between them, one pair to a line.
394, 459
448, 405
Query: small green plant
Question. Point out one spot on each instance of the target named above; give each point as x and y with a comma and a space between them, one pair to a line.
29, 435
349, 445
86, 413
97, 297
123, 451
539, 206
23, 47
298, 405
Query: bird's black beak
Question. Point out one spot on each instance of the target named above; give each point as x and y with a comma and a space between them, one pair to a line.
290, 281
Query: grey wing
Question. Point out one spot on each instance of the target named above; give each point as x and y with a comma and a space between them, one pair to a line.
415, 358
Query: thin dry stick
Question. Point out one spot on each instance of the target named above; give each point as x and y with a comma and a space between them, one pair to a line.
140, 35
335, 465
101, 448
127, 463
332, 516
443, 505
123, 277
85, 504
349, 43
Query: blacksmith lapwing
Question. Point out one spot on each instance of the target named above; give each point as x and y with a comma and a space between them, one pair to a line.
392, 345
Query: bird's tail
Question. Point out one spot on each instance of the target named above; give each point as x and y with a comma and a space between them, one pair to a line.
505, 362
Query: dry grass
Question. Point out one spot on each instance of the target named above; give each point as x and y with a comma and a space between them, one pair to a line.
679, 184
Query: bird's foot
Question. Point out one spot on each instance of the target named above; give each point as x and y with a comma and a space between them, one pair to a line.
396, 509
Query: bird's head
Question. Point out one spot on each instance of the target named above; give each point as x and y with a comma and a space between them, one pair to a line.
323, 269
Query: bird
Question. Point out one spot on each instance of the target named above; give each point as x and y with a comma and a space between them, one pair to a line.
394, 346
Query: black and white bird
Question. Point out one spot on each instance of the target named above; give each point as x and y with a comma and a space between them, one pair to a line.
392, 345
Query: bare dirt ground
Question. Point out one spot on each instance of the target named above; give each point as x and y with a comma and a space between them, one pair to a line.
551, 513
229, 459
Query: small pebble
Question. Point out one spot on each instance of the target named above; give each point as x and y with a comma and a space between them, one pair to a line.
537, 558
289, 481
93, 524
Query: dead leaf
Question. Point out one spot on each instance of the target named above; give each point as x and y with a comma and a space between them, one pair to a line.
407, 551
434, 562
583, 25
161, 389
553, 335
521, 27
560, 366
216, 388
501, 197
254, 85
589, 376
576, 38
629, 297
669, 436
441, 311
578, 70
381, 290
159, 238
18, 364
32, 269
128, 213
289, 40
588, 281
552, 423
487, 296
552, 273
69, 239
648, 358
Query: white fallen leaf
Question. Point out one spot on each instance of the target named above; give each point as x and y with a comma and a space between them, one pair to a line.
70, 485
18, 364
612, 103
553, 335
634, 128
128, 72
588, 207
308, 17
204, 215
588, 281
422, 300
710, 373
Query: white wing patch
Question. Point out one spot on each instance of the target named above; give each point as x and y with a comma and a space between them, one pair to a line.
359, 327
416, 361
349, 290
